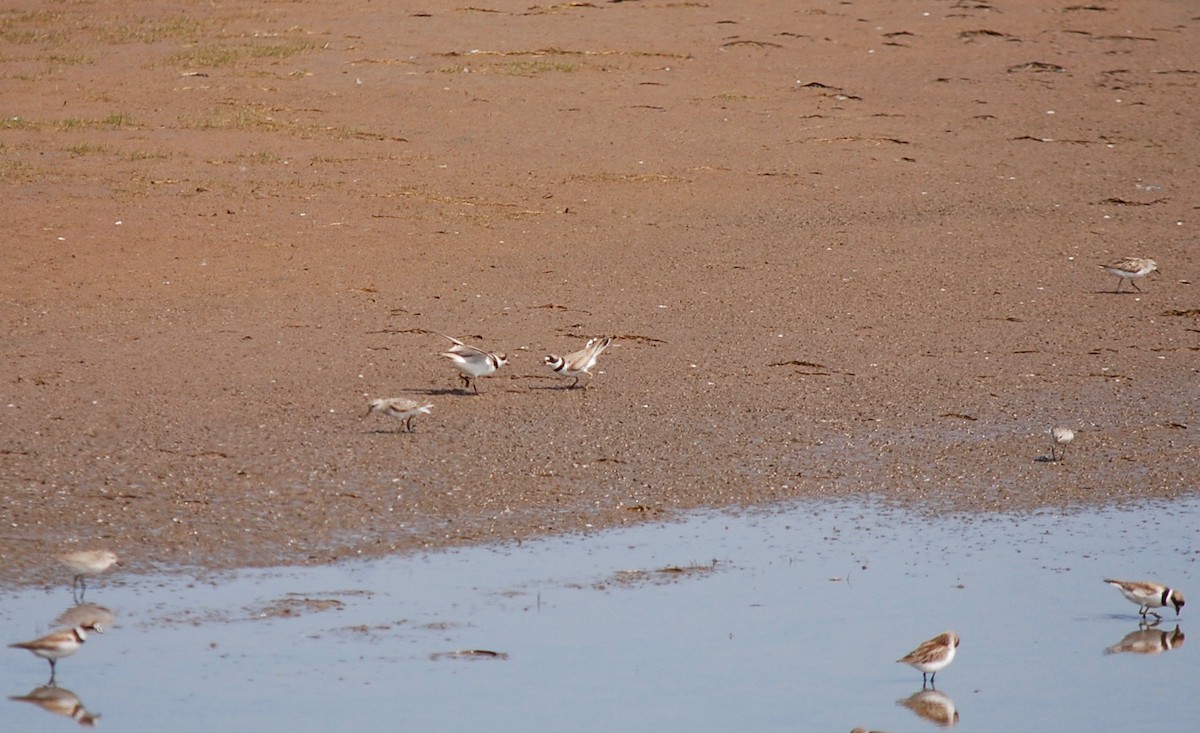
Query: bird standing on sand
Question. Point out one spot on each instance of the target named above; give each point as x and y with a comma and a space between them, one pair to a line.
472, 362
578, 363
1059, 438
400, 408
1130, 268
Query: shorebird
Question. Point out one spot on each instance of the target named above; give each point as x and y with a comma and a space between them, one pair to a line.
401, 408
1059, 438
472, 362
578, 363
932, 656
1130, 268
87, 562
1148, 595
56, 645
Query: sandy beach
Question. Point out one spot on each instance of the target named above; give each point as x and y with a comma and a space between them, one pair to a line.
843, 248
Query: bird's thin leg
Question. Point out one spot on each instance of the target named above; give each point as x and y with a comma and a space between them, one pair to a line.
408, 423
1120, 282
575, 383
1135, 286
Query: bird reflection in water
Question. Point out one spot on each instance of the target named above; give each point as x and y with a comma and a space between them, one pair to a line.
60, 701
1148, 640
932, 705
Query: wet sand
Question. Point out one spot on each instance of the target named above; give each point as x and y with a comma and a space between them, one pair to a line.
845, 248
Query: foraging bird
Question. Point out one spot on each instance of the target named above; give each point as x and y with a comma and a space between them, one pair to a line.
472, 362
1059, 438
1148, 595
580, 362
1130, 268
401, 408
932, 656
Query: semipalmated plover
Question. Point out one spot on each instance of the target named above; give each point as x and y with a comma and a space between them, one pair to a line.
580, 362
472, 362
1148, 595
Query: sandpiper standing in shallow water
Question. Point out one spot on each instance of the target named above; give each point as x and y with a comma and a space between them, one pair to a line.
1148, 595
578, 363
472, 362
932, 656
1130, 268
1059, 438
400, 408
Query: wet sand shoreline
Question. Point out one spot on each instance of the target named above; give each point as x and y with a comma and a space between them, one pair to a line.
844, 250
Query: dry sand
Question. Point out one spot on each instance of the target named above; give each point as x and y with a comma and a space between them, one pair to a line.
846, 248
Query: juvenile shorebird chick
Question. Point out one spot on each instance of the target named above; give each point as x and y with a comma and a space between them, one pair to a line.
472, 362
1059, 438
1147, 595
55, 646
400, 408
932, 656
1130, 268
87, 562
578, 363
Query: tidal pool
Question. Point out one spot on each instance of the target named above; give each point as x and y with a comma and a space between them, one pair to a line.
782, 620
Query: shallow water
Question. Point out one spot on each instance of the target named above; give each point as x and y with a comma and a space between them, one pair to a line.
788, 620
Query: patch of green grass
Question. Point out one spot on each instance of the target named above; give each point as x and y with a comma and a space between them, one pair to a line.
18, 123
118, 119
70, 59
153, 30
148, 155
86, 149
533, 68
210, 57
262, 158
240, 117
34, 26
11, 170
